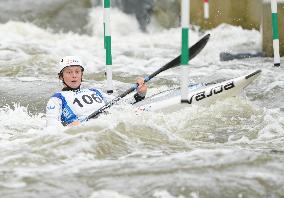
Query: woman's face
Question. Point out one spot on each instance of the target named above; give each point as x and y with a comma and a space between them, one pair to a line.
72, 76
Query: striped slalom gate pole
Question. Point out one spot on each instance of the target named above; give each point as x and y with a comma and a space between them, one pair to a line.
275, 33
206, 9
107, 45
185, 7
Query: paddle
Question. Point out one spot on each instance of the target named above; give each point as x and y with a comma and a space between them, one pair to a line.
194, 50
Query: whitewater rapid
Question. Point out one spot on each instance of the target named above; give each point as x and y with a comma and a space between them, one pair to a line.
233, 148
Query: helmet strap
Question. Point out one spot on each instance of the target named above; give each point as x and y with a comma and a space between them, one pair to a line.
67, 88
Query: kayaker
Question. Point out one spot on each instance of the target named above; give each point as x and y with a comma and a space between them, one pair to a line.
73, 104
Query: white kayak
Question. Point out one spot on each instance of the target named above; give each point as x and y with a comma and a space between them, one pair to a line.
202, 93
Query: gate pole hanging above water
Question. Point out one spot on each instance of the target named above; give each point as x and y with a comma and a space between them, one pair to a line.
107, 45
275, 33
185, 13
206, 9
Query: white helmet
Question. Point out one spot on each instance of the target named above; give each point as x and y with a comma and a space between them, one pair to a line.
68, 61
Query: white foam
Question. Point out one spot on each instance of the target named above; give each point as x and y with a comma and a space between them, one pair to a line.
108, 194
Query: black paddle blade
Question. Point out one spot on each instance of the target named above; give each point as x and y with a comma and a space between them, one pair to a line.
192, 51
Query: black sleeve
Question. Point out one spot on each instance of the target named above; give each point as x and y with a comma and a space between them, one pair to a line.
138, 97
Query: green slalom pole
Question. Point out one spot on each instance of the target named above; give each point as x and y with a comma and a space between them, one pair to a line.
107, 45
275, 33
185, 7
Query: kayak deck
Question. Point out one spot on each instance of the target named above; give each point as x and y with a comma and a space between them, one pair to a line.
199, 93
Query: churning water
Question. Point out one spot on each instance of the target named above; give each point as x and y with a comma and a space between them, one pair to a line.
233, 148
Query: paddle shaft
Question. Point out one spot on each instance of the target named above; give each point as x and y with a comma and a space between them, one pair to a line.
193, 51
